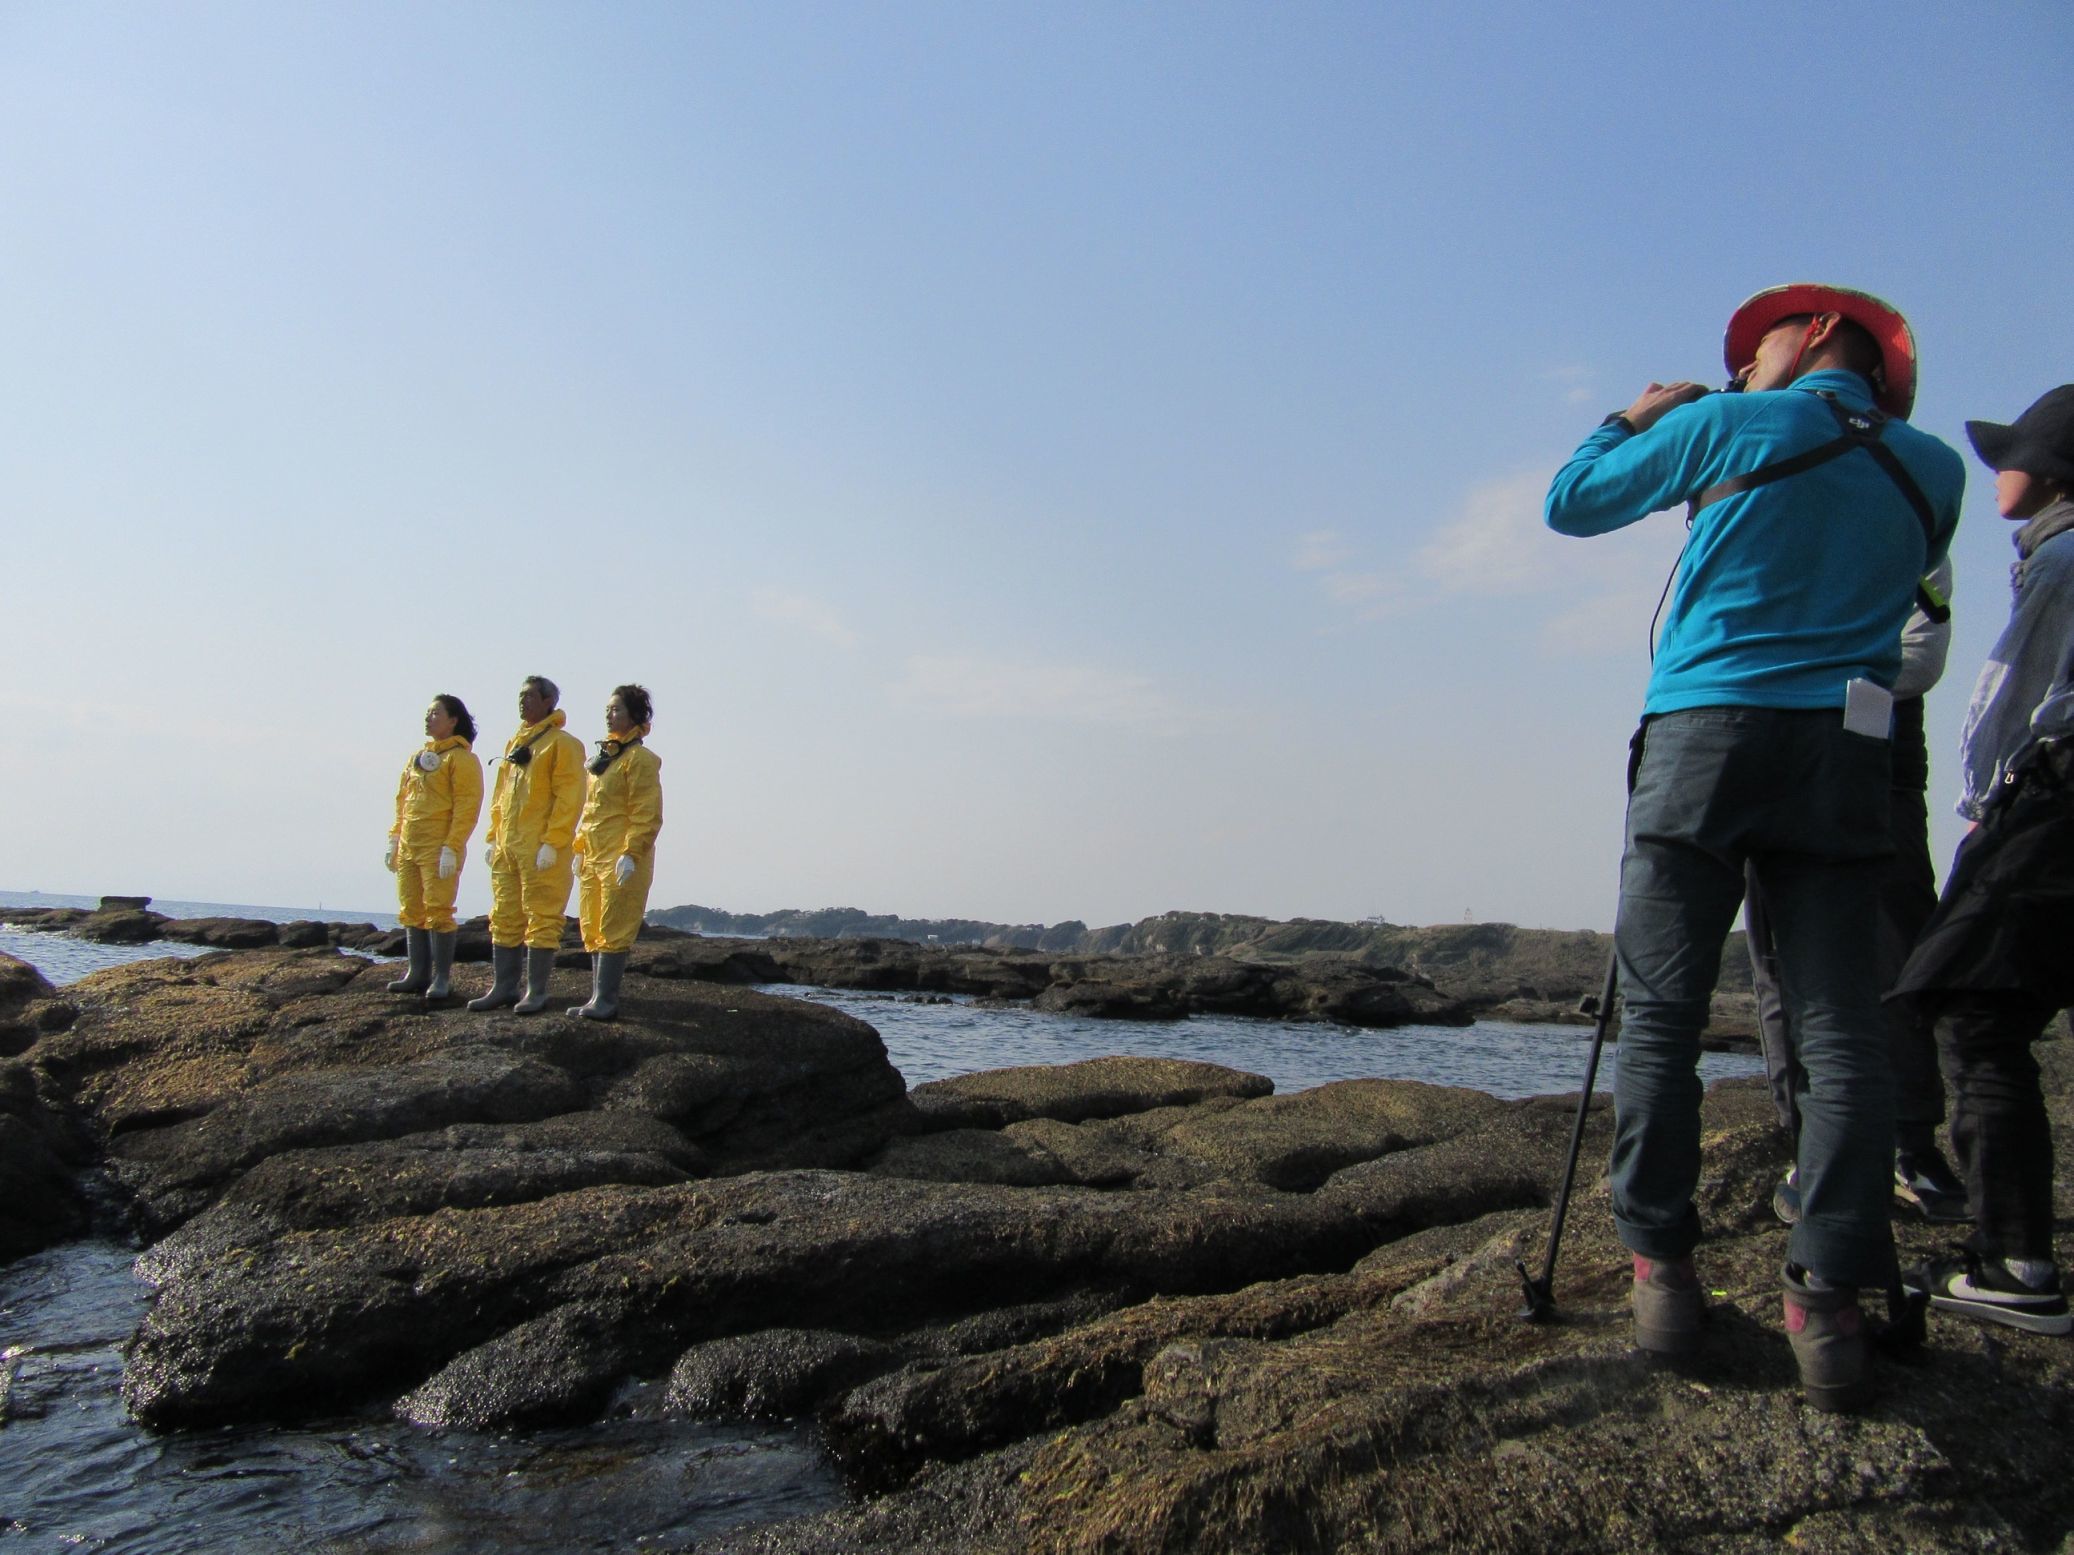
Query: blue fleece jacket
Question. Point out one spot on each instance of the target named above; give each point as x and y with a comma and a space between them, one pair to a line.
1787, 592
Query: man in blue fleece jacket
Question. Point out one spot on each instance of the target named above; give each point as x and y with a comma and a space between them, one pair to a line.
1815, 509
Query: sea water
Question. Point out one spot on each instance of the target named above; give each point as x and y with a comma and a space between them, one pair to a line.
935, 1038
76, 1473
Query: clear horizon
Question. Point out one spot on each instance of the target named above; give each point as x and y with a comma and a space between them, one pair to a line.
1047, 462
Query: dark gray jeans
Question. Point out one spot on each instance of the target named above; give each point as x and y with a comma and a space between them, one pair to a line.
1804, 805
1908, 895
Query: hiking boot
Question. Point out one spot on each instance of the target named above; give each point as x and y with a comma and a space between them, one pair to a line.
1827, 1332
1668, 1309
1925, 1184
1985, 1288
1786, 1197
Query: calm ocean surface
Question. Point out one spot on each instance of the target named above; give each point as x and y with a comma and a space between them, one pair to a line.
77, 1474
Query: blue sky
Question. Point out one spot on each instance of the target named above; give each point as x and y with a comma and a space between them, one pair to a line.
1047, 461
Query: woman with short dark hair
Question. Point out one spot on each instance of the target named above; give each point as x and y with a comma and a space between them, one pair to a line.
438, 799
622, 813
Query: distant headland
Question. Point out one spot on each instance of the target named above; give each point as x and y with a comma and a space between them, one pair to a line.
1367, 973
1497, 970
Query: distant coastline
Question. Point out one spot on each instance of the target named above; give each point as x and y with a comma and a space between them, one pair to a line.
175, 908
1487, 962
1489, 970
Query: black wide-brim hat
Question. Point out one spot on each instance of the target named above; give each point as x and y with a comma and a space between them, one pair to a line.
2039, 442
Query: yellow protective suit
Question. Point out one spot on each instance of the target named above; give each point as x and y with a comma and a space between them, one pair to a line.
435, 809
621, 815
530, 804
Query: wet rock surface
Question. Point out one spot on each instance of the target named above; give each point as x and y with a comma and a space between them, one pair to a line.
1074, 1093
1127, 1305
1400, 1404
40, 1150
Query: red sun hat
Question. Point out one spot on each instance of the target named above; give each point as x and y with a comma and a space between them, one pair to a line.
1886, 326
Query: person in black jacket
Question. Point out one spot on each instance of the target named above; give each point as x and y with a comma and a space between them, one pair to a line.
1996, 960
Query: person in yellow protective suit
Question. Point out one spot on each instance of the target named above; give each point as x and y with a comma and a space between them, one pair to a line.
438, 799
621, 815
533, 810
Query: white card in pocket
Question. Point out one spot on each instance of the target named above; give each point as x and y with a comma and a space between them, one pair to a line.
1868, 709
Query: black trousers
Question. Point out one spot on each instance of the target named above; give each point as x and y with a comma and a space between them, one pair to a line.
2000, 1132
1992, 967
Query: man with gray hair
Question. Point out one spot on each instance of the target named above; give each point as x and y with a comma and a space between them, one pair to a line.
533, 809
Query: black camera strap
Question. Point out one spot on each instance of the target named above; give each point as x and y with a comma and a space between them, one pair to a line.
1855, 429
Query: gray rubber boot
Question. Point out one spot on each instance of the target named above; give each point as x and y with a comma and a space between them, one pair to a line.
506, 959
540, 965
578, 1009
607, 966
419, 949
443, 945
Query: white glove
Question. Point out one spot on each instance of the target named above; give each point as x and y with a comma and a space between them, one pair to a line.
389, 858
449, 863
545, 858
489, 855
624, 869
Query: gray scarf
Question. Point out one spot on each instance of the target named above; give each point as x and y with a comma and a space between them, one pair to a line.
2054, 519
2057, 518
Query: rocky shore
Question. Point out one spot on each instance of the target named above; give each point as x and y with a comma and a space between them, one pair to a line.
1126, 1305
1210, 965
129, 920
1498, 970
